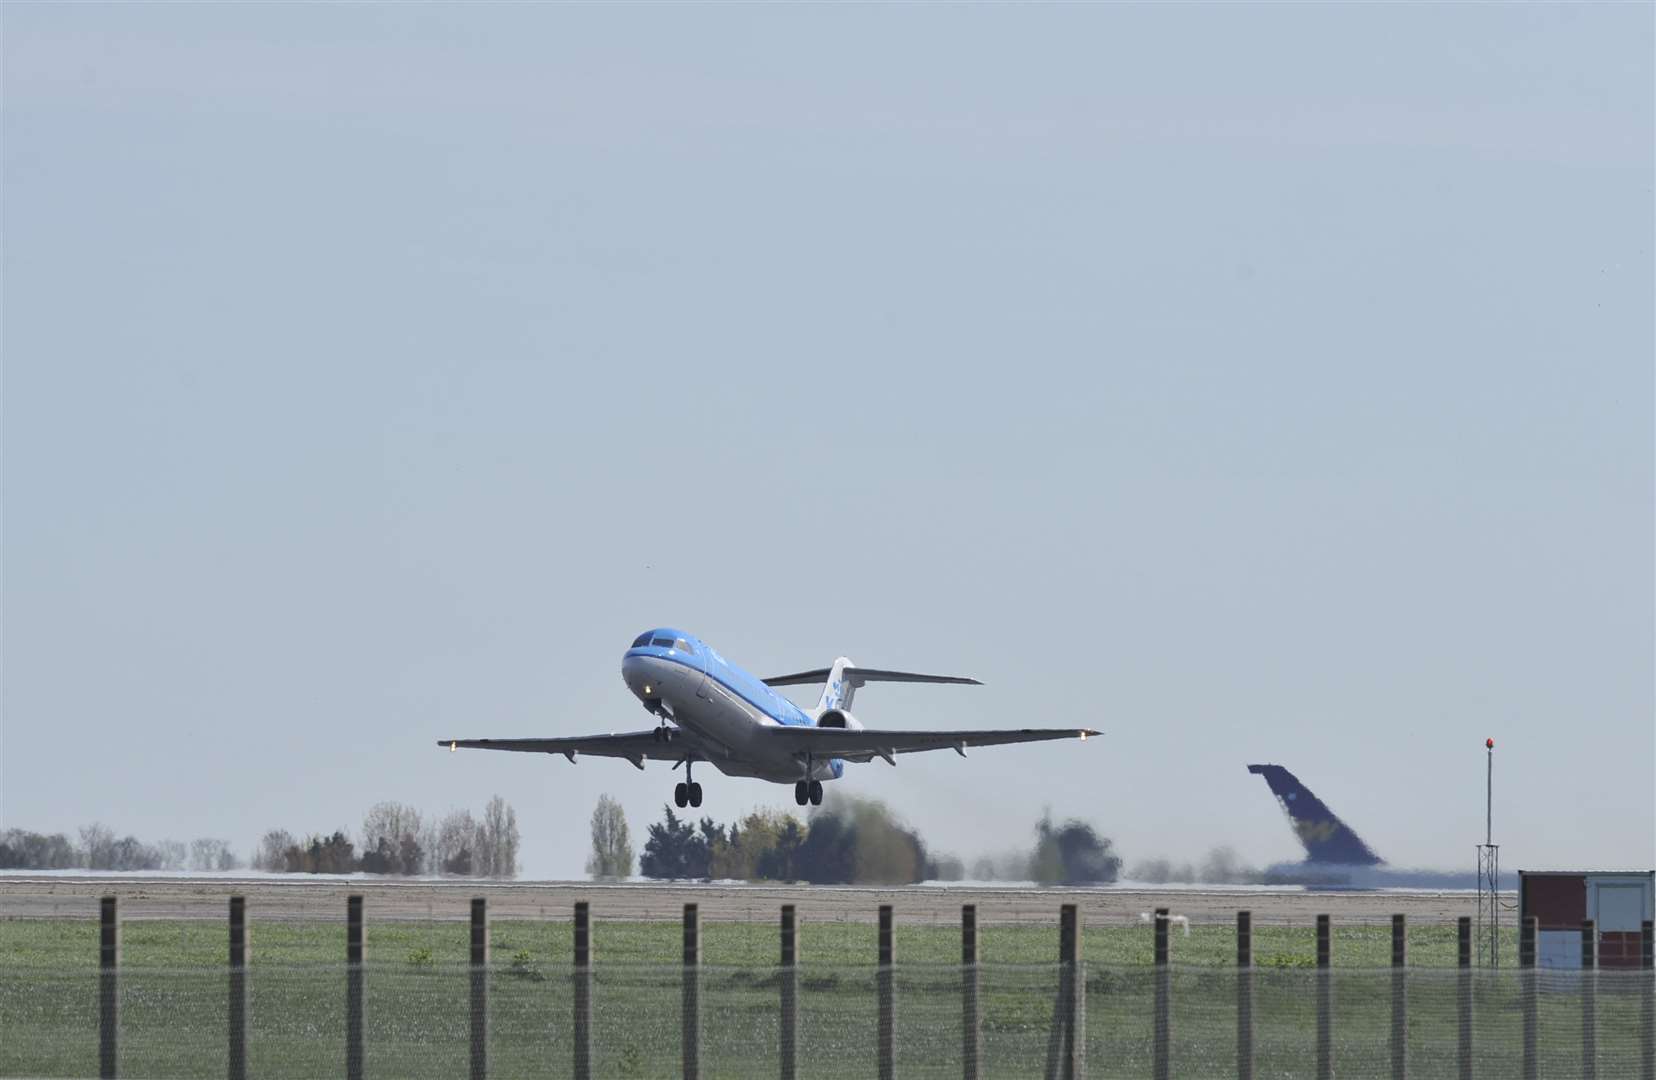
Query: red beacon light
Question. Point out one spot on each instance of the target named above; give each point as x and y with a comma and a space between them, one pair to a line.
1489, 744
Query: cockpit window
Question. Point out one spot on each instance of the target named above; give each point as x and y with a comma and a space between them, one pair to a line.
663, 643
641, 640
683, 646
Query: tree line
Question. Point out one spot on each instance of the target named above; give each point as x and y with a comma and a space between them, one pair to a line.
850, 841
395, 839
98, 848
1221, 866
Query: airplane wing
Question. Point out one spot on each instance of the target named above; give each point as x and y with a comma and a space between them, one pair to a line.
866, 744
634, 746
859, 675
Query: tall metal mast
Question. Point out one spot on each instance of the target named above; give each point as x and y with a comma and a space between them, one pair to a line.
1489, 873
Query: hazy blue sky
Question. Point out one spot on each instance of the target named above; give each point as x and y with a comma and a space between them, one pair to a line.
1251, 382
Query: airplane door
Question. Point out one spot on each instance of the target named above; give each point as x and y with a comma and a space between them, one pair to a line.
705, 662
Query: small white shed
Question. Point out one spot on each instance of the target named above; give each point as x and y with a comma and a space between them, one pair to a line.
1618, 902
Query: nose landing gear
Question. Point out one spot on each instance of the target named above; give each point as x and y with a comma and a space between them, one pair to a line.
663, 732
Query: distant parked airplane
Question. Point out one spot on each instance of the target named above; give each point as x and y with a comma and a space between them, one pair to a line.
1335, 856
713, 711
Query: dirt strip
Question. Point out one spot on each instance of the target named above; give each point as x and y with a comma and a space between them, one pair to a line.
305, 897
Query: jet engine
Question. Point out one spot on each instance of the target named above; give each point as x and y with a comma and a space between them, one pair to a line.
838, 718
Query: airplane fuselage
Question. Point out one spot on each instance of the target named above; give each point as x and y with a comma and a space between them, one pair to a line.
720, 710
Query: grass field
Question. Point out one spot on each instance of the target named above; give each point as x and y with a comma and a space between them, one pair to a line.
174, 1001
70, 943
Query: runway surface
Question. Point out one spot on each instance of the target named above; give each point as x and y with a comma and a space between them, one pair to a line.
308, 897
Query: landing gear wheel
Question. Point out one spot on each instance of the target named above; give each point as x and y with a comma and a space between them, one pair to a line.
801, 793
695, 794
815, 792
681, 796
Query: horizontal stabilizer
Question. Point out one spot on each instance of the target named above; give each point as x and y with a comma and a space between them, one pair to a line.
866, 744
860, 675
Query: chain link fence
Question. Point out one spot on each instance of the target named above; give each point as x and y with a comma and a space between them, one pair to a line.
417, 1021
447, 998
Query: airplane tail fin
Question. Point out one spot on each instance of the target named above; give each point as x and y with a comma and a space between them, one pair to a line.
1327, 839
837, 691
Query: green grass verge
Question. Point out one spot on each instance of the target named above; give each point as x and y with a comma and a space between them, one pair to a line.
69, 944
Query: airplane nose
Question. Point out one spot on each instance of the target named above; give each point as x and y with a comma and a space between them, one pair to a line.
642, 676
633, 674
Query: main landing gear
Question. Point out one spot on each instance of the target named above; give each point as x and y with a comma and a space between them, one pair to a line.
808, 791
688, 792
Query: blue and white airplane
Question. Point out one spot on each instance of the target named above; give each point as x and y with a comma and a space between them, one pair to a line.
711, 710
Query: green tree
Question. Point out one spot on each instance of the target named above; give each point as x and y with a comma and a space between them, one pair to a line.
1072, 854
674, 849
612, 853
775, 854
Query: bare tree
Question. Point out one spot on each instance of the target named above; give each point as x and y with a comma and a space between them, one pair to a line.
508, 859
456, 837
174, 855
612, 853
499, 840
98, 846
482, 849
431, 860
392, 820
392, 839
210, 854
273, 849
131, 853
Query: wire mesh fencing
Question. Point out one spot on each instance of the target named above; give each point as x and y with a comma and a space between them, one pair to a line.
643, 1021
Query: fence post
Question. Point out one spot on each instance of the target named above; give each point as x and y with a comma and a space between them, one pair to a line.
583, 991
887, 992
1244, 996
354, 948
1589, 1000
1526, 988
971, 1020
1463, 1049
1325, 1000
1400, 999
109, 987
238, 988
1647, 1007
479, 988
1072, 990
1159, 1065
692, 992
790, 993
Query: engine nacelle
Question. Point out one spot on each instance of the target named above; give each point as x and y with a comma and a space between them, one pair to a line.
838, 718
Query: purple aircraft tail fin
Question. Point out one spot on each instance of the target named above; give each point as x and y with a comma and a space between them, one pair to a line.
1327, 839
